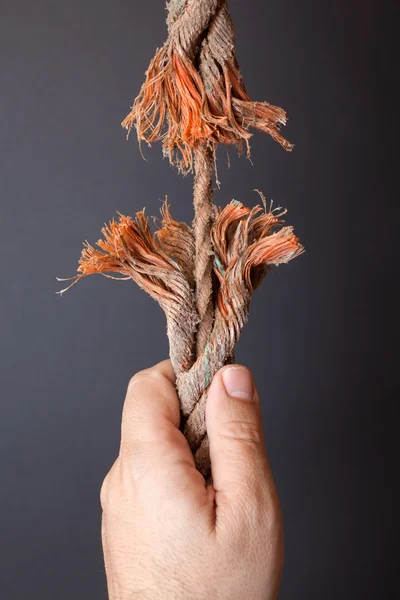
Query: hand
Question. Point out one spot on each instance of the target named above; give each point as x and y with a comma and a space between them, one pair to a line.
166, 534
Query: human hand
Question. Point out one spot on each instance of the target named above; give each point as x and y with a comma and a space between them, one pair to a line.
166, 534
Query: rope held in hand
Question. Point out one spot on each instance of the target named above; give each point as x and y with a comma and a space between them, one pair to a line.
203, 276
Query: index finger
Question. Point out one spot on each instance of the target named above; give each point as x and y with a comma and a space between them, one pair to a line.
151, 404
152, 446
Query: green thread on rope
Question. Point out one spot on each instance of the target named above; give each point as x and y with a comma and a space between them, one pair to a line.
236, 202
207, 367
219, 265
180, 7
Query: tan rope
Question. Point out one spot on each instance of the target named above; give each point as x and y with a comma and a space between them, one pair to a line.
203, 276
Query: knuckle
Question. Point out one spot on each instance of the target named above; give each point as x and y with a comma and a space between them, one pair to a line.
272, 515
139, 377
143, 382
107, 489
246, 434
145, 375
135, 390
104, 492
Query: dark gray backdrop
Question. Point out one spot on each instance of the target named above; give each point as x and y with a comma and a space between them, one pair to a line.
319, 328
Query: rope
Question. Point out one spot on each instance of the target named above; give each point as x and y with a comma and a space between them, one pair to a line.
203, 276
203, 217
194, 92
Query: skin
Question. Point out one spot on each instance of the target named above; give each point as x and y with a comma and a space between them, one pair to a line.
166, 533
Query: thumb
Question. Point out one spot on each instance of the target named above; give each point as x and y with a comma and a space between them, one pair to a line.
238, 457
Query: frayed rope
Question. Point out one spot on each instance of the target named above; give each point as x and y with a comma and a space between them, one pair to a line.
203, 276
247, 242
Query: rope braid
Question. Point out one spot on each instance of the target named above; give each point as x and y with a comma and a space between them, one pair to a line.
203, 276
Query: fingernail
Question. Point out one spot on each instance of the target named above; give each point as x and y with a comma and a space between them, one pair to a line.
238, 382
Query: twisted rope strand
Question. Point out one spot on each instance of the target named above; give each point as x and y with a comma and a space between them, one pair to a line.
202, 223
194, 98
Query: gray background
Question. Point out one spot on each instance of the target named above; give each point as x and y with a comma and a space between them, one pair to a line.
320, 329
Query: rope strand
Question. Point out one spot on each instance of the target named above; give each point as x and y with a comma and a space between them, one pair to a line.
202, 223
